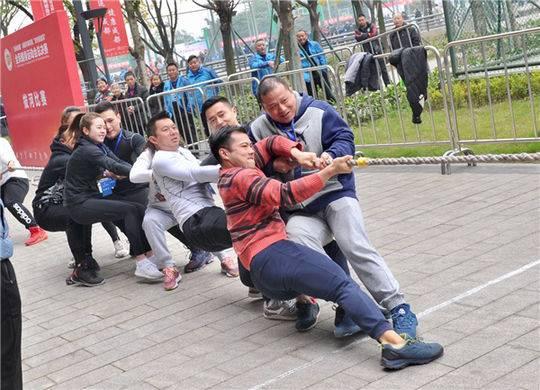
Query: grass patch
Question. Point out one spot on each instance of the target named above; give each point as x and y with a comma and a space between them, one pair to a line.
472, 125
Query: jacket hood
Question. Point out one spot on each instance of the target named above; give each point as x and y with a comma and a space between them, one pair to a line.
58, 147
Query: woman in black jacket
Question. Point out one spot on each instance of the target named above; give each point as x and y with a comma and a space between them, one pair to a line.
90, 176
156, 86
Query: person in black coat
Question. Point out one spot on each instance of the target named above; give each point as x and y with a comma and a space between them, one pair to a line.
367, 30
136, 120
156, 86
90, 176
407, 37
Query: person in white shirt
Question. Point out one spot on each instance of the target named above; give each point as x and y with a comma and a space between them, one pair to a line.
13, 189
185, 185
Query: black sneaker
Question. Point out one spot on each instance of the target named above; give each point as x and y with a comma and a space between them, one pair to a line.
197, 260
344, 325
92, 263
412, 353
84, 277
306, 315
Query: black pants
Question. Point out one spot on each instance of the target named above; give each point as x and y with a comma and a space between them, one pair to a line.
13, 193
384, 72
11, 329
322, 83
128, 215
139, 196
207, 230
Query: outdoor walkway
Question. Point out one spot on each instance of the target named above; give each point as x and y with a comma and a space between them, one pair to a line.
464, 247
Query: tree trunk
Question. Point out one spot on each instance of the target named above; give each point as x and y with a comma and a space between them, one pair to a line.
225, 24
357, 9
479, 17
314, 20
290, 45
138, 46
380, 17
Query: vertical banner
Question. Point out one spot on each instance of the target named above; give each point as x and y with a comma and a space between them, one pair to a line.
42, 8
114, 36
39, 78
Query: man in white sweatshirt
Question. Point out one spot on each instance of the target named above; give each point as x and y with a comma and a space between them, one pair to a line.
13, 189
158, 219
185, 186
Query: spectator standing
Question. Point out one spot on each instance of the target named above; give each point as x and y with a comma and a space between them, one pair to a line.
136, 118
198, 74
156, 86
118, 96
311, 54
367, 30
407, 37
104, 92
262, 63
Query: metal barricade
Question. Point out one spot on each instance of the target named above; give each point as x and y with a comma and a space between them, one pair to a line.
495, 96
132, 111
382, 118
382, 43
342, 53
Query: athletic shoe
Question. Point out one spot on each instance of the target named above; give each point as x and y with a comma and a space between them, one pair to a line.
308, 314
274, 309
71, 263
37, 234
254, 293
84, 277
171, 279
344, 325
404, 320
92, 263
229, 267
413, 352
119, 249
148, 270
198, 260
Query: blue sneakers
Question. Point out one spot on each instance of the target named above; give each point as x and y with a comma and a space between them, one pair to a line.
307, 315
412, 353
404, 320
344, 326
197, 260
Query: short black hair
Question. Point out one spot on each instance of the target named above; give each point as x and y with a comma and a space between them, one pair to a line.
268, 83
102, 79
129, 73
191, 57
151, 125
221, 138
209, 103
105, 106
172, 64
360, 15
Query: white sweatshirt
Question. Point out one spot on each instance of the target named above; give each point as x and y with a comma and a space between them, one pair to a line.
7, 155
183, 182
141, 172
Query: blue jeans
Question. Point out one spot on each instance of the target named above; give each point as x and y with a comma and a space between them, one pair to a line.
285, 270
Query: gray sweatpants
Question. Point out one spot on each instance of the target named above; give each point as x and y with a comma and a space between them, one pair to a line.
342, 219
155, 224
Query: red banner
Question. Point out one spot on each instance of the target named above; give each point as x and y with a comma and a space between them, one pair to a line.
39, 78
114, 35
42, 8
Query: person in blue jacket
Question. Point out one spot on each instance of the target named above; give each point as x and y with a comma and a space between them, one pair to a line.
262, 63
311, 54
179, 105
197, 74
11, 312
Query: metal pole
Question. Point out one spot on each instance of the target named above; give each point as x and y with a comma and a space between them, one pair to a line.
86, 44
103, 58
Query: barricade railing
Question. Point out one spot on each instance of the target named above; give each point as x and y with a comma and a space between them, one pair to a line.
383, 42
341, 53
382, 118
246, 74
495, 98
183, 106
132, 111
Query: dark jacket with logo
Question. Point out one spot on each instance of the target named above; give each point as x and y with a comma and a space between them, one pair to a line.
85, 167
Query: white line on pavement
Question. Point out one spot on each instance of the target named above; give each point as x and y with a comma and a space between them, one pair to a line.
420, 315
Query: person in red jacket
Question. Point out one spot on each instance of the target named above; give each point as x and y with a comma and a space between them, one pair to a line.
283, 269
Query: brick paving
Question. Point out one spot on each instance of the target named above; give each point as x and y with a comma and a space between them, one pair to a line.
464, 247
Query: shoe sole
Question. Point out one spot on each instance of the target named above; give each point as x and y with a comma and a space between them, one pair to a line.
37, 241
278, 317
254, 296
71, 282
346, 334
301, 330
229, 275
121, 256
399, 364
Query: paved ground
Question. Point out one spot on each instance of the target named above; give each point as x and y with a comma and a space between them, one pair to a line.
464, 247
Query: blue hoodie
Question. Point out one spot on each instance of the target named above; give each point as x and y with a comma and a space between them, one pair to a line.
180, 98
261, 68
6, 246
313, 47
200, 76
319, 127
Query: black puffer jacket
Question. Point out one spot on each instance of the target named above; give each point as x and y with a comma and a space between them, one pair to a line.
85, 167
54, 172
412, 67
408, 37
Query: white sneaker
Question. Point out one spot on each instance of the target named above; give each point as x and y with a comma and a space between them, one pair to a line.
71, 263
148, 270
119, 249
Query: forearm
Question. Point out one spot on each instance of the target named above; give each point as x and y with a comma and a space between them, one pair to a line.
179, 171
